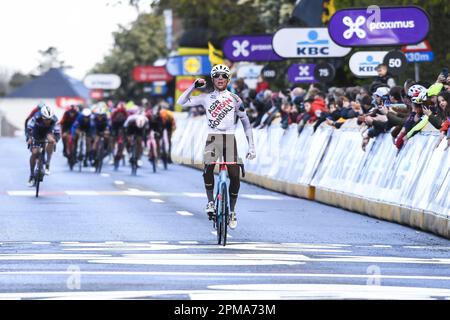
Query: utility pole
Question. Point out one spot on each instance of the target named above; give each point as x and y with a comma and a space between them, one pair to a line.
416, 71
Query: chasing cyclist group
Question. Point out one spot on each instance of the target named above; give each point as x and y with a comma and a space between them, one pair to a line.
133, 124
118, 125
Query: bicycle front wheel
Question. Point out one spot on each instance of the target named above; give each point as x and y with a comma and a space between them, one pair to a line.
100, 155
38, 173
224, 220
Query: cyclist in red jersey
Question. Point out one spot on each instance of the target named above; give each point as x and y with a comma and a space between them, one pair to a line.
66, 122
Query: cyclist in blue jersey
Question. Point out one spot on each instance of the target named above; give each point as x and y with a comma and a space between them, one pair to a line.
83, 124
42, 126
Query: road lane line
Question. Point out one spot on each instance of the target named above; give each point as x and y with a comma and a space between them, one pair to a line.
119, 182
184, 213
195, 194
105, 175
215, 233
157, 200
188, 242
260, 197
82, 193
228, 274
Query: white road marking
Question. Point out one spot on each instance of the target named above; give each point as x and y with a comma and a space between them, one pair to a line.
381, 246
188, 242
427, 248
41, 242
204, 259
116, 248
69, 242
157, 200
184, 213
228, 234
260, 197
21, 193
119, 182
158, 242
195, 194
51, 256
114, 242
228, 274
140, 193
105, 175
370, 259
321, 291
82, 193
256, 291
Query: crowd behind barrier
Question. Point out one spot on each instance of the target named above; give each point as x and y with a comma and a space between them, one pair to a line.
322, 142
379, 107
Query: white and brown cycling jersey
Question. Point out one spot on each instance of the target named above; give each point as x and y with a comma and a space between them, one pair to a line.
222, 110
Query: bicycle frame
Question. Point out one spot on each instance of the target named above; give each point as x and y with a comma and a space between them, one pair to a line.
40, 162
81, 149
221, 203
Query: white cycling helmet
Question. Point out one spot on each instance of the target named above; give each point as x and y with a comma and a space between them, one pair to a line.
220, 68
140, 121
417, 93
381, 91
86, 112
47, 112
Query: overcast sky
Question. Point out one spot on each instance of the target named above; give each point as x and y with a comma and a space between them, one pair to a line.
80, 29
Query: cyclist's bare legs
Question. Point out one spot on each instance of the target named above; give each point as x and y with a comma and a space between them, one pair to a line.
33, 158
139, 149
152, 147
50, 148
65, 139
208, 178
235, 184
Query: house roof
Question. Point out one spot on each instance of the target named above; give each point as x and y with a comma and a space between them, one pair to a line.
52, 84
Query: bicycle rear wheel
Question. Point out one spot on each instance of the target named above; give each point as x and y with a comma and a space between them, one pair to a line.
164, 154
134, 159
37, 182
38, 174
80, 154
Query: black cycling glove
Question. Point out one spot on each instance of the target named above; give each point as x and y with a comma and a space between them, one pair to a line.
198, 84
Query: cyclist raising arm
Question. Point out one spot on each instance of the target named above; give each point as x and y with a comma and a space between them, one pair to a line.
222, 109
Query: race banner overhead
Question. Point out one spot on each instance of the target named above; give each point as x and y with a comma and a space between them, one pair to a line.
250, 48
306, 43
379, 26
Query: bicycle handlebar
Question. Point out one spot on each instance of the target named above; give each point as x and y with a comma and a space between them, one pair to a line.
225, 163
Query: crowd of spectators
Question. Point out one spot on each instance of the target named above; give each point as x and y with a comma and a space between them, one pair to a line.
381, 107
